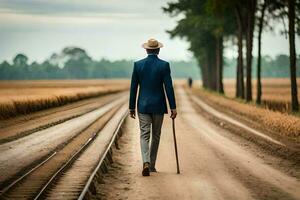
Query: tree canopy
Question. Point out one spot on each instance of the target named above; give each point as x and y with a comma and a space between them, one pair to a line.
207, 23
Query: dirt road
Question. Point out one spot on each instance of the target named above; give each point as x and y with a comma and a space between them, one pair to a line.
214, 164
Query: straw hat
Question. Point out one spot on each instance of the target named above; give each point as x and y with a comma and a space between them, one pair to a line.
152, 44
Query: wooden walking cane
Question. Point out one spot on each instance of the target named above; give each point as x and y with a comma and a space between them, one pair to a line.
175, 144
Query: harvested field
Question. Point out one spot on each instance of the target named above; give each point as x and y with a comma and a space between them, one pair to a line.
280, 123
276, 92
23, 97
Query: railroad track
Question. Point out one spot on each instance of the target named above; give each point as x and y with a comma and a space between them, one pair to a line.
82, 154
20, 155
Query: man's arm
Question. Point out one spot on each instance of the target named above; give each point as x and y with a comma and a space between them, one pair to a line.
133, 91
170, 90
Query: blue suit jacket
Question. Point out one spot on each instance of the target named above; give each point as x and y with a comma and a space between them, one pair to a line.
152, 75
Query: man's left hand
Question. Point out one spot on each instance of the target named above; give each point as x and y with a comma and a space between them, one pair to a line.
132, 114
173, 113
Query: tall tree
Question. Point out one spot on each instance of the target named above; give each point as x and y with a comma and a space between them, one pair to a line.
239, 16
205, 24
20, 66
290, 9
244, 11
196, 28
20, 60
251, 10
219, 63
221, 17
291, 17
260, 29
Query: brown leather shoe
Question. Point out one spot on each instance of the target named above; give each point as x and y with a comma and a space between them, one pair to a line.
146, 171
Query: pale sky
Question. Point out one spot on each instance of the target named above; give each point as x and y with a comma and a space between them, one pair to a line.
113, 29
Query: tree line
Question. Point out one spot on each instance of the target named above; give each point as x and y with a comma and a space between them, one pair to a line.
75, 63
277, 67
207, 24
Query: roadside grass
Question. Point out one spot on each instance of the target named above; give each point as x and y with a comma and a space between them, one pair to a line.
285, 124
24, 97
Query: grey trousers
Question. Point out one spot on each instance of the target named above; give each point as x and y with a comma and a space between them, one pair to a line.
146, 120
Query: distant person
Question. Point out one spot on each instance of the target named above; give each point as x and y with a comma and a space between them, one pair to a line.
151, 75
190, 82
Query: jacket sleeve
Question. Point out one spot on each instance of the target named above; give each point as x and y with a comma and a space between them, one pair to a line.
169, 86
133, 88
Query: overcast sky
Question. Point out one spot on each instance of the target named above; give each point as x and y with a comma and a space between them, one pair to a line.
112, 29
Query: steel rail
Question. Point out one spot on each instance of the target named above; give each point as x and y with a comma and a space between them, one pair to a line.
27, 173
88, 183
63, 167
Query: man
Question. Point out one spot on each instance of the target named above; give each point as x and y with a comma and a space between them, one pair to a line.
153, 77
190, 82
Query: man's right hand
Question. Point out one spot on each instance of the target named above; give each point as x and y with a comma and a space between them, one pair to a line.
132, 114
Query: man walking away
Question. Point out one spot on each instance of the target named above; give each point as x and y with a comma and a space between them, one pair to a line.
153, 77
190, 82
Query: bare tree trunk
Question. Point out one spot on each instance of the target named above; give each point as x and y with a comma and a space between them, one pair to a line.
249, 44
260, 28
219, 64
240, 68
212, 69
291, 16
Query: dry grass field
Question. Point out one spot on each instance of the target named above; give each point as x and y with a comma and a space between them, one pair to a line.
276, 92
282, 123
276, 98
22, 97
